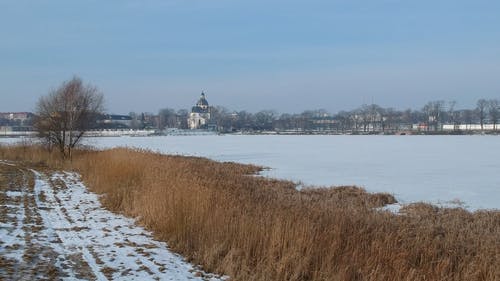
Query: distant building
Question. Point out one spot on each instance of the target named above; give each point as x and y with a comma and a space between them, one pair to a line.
21, 116
323, 123
18, 121
200, 114
117, 121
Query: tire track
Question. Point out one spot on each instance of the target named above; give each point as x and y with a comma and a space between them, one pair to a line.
53, 228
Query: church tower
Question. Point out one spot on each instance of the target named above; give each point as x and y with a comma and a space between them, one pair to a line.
200, 114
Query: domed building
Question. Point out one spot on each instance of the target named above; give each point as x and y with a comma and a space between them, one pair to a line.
200, 114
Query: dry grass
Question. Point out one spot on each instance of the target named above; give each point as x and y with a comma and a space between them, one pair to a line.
253, 228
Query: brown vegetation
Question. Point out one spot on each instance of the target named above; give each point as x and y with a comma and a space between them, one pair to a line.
252, 228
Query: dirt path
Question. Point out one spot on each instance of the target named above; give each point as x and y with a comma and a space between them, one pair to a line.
52, 228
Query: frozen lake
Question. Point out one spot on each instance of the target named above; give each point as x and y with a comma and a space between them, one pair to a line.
436, 169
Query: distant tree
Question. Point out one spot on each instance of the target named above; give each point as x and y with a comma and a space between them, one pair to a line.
494, 112
427, 110
467, 117
356, 120
264, 119
434, 112
284, 122
222, 117
391, 119
304, 120
244, 121
136, 122
66, 113
167, 118
407, 118
362, 115
481, 108
182, 115
377, 117
344, 119
453, 115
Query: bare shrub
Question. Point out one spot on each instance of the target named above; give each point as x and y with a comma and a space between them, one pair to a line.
66, 113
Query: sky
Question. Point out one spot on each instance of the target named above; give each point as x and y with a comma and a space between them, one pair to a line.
284, 55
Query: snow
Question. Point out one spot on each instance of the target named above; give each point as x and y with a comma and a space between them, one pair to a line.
15, 140
11, 233
14, 194
115, 240
393, 208
58, 222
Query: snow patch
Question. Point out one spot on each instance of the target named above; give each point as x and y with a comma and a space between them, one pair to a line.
393, 208
112, 245
14, 194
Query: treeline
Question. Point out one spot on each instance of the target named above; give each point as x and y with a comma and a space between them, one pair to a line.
16, 122
434, 116
367, 118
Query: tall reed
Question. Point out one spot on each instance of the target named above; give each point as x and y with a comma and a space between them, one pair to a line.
251, 228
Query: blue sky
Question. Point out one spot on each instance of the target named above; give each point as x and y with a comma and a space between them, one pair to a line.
284, 55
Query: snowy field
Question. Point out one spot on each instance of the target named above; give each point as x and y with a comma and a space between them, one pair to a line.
438, 169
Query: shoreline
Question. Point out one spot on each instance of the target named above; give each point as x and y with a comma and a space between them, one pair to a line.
153, 133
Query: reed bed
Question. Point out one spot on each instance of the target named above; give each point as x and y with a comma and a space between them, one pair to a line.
222, 216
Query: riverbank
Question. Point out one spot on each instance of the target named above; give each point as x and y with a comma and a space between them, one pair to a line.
182, 132
254, 228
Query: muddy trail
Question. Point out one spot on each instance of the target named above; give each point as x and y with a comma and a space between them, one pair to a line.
53, 228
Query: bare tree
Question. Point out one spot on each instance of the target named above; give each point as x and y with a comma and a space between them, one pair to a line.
222, 117
494, 112
434, 111
453, 115
390, 122
407, 118
66, 113
264, 119
182, 115
482, 105
244, 120
377, 116
344, 120
167, 118
363, 115
467, 118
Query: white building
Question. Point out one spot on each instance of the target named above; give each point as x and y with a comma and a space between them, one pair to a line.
200, 114
117, 120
